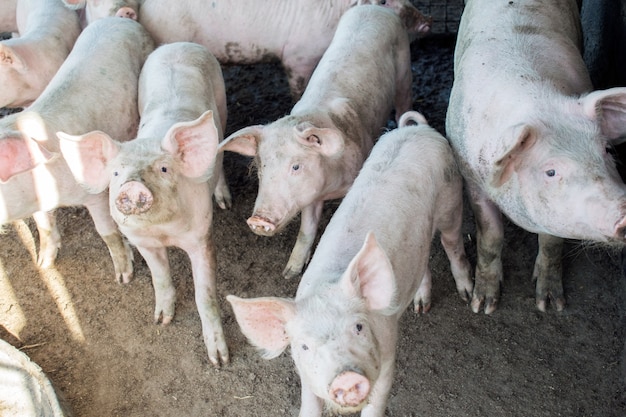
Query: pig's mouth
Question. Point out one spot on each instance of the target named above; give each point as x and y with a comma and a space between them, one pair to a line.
262, 225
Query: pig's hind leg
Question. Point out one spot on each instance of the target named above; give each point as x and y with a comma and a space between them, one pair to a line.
49, 237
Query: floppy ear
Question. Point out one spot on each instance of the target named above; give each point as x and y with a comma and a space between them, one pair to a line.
18, 155
608, 109
262, 321
88, 158
244, 141
327, 141
370, 276
524, 138
193, 144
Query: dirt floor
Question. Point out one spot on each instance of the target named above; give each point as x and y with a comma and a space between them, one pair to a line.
95, 339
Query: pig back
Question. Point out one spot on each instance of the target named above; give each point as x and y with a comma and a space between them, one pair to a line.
96, 87
412, 167
179, 82
367, 63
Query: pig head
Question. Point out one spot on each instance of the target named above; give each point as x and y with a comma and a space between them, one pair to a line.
338, 336
301, 163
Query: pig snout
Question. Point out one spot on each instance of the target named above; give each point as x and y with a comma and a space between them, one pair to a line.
349, 389
261, 225
126, 12
133, 198
620, 229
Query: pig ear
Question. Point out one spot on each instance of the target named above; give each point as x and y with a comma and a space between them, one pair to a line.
370, 276
194, 144
244, 141
10, 57
524, 138
75, 4
19, 155
88, 158
608, 108
329, 142
263, 320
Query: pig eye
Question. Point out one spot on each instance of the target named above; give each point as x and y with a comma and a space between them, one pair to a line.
550, 173
305, 347
383, 2
115, 173
163, 169
358, 328
295, 167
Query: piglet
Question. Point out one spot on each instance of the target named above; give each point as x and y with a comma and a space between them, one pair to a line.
95, 88
371, 262
47, 32
160, 184
314, 153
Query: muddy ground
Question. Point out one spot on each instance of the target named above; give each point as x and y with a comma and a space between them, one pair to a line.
95, 339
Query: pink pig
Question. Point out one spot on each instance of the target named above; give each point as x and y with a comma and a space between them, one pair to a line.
34, 179
296, 32
160, 184
47, 32
343, 324
314, 153
531, 138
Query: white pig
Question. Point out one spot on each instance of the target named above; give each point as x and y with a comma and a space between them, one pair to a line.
343, 324
47, 32
531, 138
296, 32
314, 153
95, 88
160, 184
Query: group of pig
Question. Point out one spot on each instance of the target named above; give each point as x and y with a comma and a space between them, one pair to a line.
526, 136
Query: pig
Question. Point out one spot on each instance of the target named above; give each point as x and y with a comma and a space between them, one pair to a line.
371, 262
531, 138
296, 32
34, 179
314, 153
47, 32
160, 184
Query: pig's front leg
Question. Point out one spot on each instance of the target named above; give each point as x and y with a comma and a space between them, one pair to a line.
204, 266
489, 242
164, 291
421, 300
309, 221
377, 402
311, 405
49, 237
121, 253
548, 273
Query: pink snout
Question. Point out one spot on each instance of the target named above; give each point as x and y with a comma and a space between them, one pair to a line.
133, 198
349, 389
261, 225
126, 12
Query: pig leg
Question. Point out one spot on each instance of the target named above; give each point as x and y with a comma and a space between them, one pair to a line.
299, 70
311, 405
222, 192
309, 221
490, 240
121, 253
49, 237
164, 291
204, 266
548, 273
452, 242
421, 300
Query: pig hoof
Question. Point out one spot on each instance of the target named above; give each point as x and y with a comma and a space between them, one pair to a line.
490, 305
290, 273
422, 308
